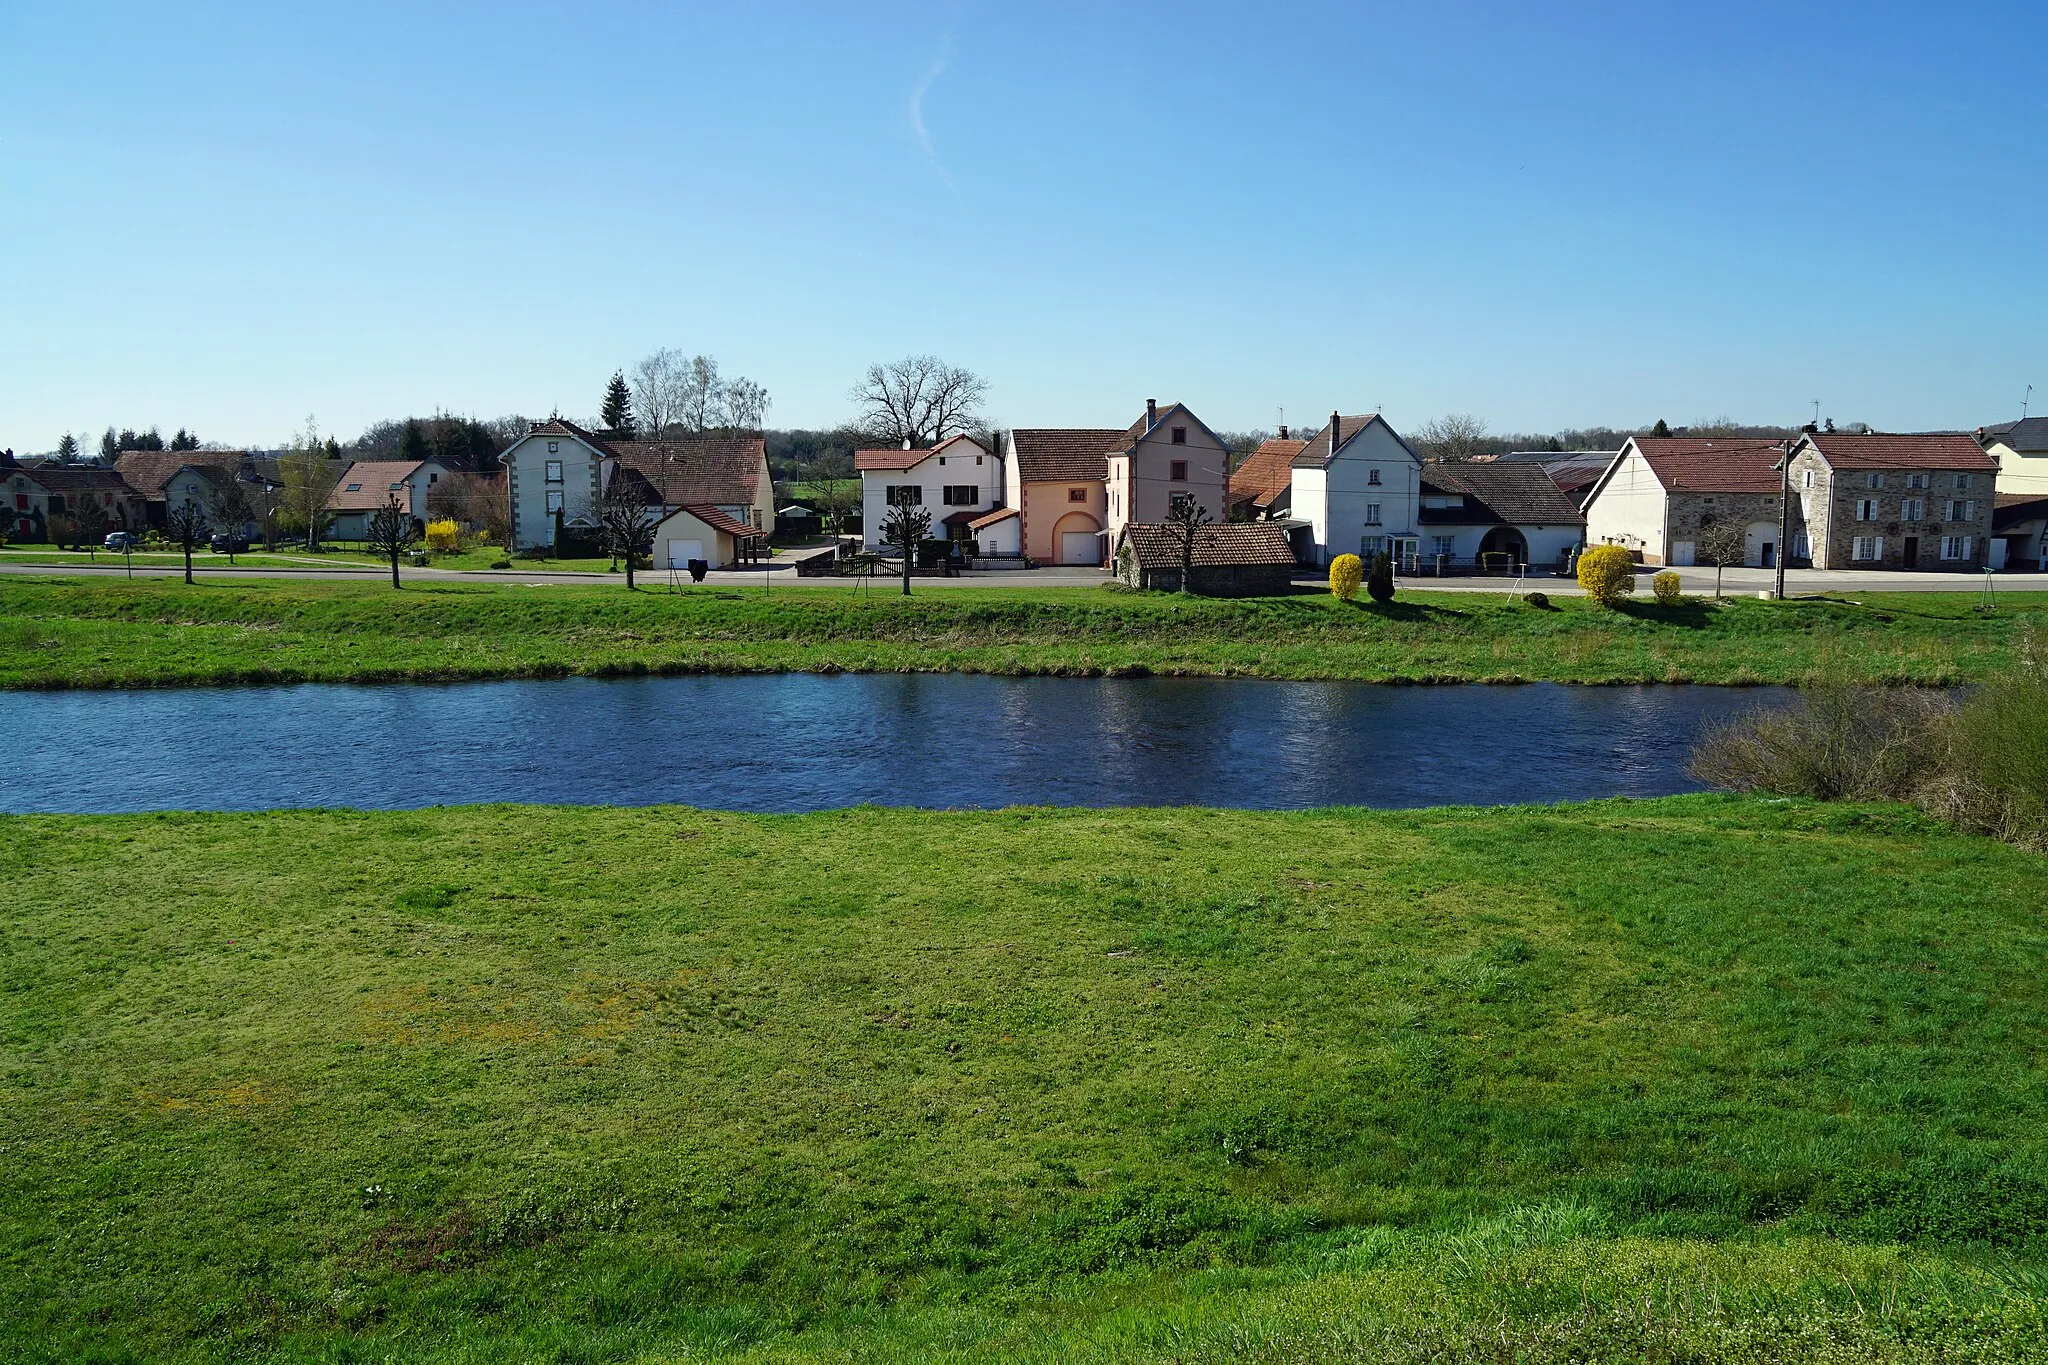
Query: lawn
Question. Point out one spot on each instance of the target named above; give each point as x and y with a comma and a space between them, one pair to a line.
1694, 1079
78, 632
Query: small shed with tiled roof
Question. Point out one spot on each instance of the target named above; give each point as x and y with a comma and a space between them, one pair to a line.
1234, 559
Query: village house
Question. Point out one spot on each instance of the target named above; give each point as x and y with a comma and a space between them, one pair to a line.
1074, 487
958, 482
32, 496
2019, 532
1260, 486
1494, 517
1659, 495
556, 474
1358, 486
1230, 559
367, 485
1904, 501
2020, 450
152, 472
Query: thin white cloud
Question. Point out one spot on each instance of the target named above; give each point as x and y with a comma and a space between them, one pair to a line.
924, 136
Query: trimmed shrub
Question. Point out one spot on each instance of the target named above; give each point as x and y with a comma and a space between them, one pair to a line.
1666, 586
1379, 585
442, 537
1607, 573
1347, 574
1539, 600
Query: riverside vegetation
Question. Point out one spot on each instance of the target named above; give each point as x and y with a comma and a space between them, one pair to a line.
1696, 1079
93, 633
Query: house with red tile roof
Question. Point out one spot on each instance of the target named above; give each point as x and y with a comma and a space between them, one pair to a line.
31, 496
958, 482
367, 485
1358, 486
1074, 488
1913, 500
1259, 486
1659, 495
556, 474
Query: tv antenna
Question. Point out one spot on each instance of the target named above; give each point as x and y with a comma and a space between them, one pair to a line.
2026, 400
1816, 412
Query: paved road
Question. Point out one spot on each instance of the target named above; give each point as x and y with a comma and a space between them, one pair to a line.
1734, 582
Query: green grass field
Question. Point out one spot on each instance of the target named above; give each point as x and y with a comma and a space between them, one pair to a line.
1699, 1079
100, 633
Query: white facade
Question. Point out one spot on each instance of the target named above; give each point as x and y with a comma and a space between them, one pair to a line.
1365, 498
546, 472
1545, 546
1631, 508
955, 476
1003, 538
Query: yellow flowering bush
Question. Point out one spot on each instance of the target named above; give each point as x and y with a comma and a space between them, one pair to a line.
1665, 585
1607, 573
442, 537
1347, 573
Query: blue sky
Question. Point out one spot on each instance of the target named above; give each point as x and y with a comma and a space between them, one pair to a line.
232, 216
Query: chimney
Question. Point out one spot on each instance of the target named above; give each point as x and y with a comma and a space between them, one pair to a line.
1335, 420
1810, 429
1283, 431
1151, 413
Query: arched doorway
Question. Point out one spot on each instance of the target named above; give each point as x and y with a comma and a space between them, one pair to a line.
1760, 545
1076, 539
1503, 548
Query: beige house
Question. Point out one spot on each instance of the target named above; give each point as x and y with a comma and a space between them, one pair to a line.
1074, 487
2020, 450
557, 472
367, 485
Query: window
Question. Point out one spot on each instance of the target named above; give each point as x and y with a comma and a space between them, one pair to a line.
1368, 546
962, 494
1372, 514
1956, 547
1873, 480
1801, 547
433, 479
1180, 436
1916, 481
355, 488
554, 501
1177, 471
942, 460
1866, 509
1962, 481
1867, 547
1372, 477
1445, 545
1181, 500
554, 446
554, 471
1962, 509
1913, 509
894, 494
1077, 495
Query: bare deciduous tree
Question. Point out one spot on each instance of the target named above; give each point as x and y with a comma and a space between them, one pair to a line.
920, 399
391, 532
89, 519
1722, 543
746, 405
1185, 519
906, 526
309, 477
185, 524
660, 389
623, 521
1454, 436
231, 508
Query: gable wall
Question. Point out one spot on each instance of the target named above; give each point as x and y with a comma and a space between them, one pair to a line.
1630, 509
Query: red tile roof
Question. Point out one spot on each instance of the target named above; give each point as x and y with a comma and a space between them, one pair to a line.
1065, 454
367, 484
991, 518
1157, 546
557, 426
712, 468
147, 471
1909, 450
895, 457
1266, 472
1705, 464
719, 521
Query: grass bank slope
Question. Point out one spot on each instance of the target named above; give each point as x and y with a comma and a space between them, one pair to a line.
92, 633
1694, 1079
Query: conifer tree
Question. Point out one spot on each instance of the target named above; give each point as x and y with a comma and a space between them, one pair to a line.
110, 446
618, 404
67, 448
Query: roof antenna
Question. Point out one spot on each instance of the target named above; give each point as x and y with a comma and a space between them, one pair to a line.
2026, 400
1816, 412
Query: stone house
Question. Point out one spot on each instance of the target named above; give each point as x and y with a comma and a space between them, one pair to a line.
1892, 501
1234, 559
1659, 495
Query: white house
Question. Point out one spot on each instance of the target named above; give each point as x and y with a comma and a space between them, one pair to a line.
367, 485
1660, 494
1358, 485
1495, 516
700, 533
957, 482
557, 472
2021, 451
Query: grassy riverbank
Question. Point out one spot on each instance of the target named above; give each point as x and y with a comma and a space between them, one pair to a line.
1695, 1079
92, 633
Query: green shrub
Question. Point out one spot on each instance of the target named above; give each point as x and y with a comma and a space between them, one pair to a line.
1666, 586
1995, 777
1539, 600
1379, 585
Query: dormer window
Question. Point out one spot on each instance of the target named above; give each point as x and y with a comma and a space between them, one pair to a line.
1372, 476
1180, 436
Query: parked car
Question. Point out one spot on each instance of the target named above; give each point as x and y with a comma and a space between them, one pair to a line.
120, 542
225, 544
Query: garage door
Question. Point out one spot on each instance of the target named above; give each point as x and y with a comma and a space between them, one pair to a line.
681, 552
1080, 547
1682, 555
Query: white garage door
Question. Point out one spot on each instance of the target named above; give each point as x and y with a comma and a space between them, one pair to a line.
681, 552
1682, 554
1080, 547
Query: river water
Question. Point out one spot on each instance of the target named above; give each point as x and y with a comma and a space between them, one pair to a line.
799, 741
